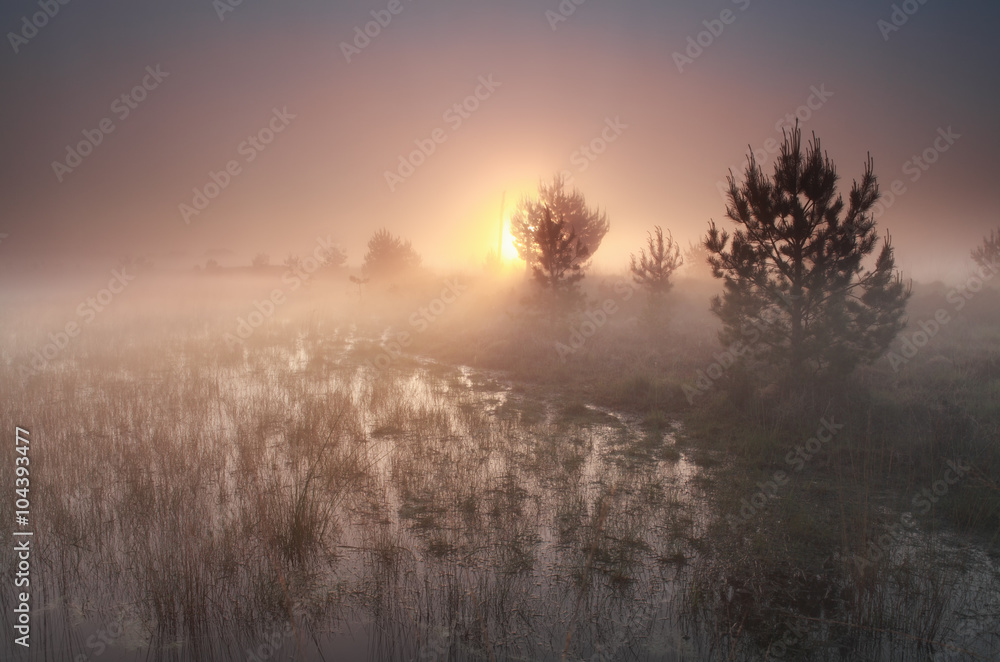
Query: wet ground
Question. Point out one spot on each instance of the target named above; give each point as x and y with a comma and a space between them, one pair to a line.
299, 502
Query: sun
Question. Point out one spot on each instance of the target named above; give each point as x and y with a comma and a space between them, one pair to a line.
494, 229
507, 249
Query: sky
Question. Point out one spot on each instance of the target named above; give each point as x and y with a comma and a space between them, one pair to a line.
287, 118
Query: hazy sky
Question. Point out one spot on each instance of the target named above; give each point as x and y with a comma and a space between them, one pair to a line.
608, 70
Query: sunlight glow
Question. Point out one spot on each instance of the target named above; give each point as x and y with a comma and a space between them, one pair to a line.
507, 249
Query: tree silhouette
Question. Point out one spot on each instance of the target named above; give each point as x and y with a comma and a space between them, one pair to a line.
388, 256
656, 263
260, 261
988, 255
360, 282
559, 256
569, 209
795, 290
696, 256
334, 259
652, 270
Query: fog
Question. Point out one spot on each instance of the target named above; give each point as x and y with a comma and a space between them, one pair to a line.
556, 86
499, 331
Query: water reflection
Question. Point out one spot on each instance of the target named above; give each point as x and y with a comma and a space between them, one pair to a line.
297, 503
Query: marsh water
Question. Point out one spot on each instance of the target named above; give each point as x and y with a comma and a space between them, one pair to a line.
294, 501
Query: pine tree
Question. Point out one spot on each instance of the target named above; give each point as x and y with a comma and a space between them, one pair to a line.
795, 288
569, 208
388, 256
559, 256
656, 264
987, 256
